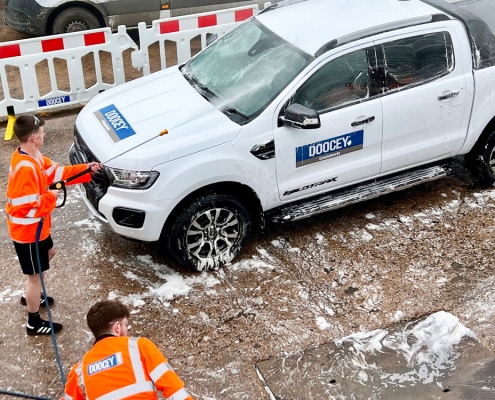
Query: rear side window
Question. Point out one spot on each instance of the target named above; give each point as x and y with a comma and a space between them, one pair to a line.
416, 60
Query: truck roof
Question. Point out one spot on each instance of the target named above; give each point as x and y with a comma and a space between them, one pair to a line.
478, 17
312, 24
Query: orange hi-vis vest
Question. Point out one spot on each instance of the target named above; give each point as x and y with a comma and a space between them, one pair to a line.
122, 367
28, 198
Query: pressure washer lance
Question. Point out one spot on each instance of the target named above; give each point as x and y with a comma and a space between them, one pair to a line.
61, 185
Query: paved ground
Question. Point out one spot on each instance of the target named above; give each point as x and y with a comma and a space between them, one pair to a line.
434, 357
296, 286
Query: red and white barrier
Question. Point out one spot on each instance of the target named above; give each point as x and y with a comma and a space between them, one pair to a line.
182, 30
55, 43
24, 56
206, 20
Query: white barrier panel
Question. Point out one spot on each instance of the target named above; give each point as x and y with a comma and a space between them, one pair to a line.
181, 31
24, 59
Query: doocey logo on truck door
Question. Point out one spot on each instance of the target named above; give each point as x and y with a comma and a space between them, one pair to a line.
114, 123
329, 148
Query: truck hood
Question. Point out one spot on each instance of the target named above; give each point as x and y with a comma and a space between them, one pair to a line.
152, 120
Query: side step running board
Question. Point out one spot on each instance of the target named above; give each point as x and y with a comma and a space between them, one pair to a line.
366, 191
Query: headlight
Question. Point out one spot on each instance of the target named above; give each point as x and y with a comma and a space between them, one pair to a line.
128, 179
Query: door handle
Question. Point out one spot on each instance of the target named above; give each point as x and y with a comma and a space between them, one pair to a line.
448, 95
363, 121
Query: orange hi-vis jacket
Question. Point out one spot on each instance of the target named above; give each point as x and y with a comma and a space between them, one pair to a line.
122, 367
28, 198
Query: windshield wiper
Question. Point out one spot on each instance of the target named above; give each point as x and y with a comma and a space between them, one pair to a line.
231, 112
200, 88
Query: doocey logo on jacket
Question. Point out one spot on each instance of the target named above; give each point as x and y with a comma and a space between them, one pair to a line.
106, 363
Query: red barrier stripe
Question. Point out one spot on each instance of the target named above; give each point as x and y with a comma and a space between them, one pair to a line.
13, 50
241, 15
207, 20
52, 45
169, 27
91, 39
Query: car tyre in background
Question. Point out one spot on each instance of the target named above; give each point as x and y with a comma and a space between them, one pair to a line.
74, 20
481, 161
209, 232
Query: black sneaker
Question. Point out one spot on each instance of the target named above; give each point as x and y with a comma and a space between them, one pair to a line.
42, 301
43, 329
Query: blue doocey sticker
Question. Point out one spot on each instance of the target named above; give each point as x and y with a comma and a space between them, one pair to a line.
106, 363
114, 123
55, 101
329, 148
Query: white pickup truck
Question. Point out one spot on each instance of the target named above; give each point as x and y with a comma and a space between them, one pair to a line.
307, 107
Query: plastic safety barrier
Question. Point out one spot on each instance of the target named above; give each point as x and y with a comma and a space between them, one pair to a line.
74, 61
61, 57
182, 31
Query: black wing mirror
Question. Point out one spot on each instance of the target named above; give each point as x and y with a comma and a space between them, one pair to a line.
299, 116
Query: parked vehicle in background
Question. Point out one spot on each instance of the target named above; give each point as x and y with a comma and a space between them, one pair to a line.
46, 17
307, 107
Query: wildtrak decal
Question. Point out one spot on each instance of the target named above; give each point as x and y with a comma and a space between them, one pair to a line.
312, 185
329, 148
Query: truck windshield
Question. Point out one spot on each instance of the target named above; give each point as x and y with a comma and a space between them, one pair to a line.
244, 70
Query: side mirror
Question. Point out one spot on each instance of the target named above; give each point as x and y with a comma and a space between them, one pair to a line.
302, 117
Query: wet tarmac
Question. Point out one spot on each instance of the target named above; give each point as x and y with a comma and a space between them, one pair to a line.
434, 357
295, 287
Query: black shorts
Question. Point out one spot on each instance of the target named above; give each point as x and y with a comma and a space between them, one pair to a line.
28, 259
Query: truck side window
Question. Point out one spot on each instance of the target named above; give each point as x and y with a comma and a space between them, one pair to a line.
417, 60
340, 82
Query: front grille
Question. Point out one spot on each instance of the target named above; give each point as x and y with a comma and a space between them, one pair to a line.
81, 154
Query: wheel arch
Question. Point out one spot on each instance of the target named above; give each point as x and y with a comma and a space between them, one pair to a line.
235, 189
73, 4
480, 142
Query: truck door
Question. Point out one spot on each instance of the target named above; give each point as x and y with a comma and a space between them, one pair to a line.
347, 147
426, 99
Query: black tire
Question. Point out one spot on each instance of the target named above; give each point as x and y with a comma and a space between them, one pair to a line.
74, 20
481, 161
210, 232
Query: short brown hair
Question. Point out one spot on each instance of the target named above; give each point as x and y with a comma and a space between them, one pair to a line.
26, 125
101, 314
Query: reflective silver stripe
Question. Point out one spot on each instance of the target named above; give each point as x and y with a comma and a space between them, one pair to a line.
59, 173
26, 163
159, 371
137, 365
181, 394
141, 385
39, 159
31, 213
80, 378
50, 170
18, 201
23, 221
128, 391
